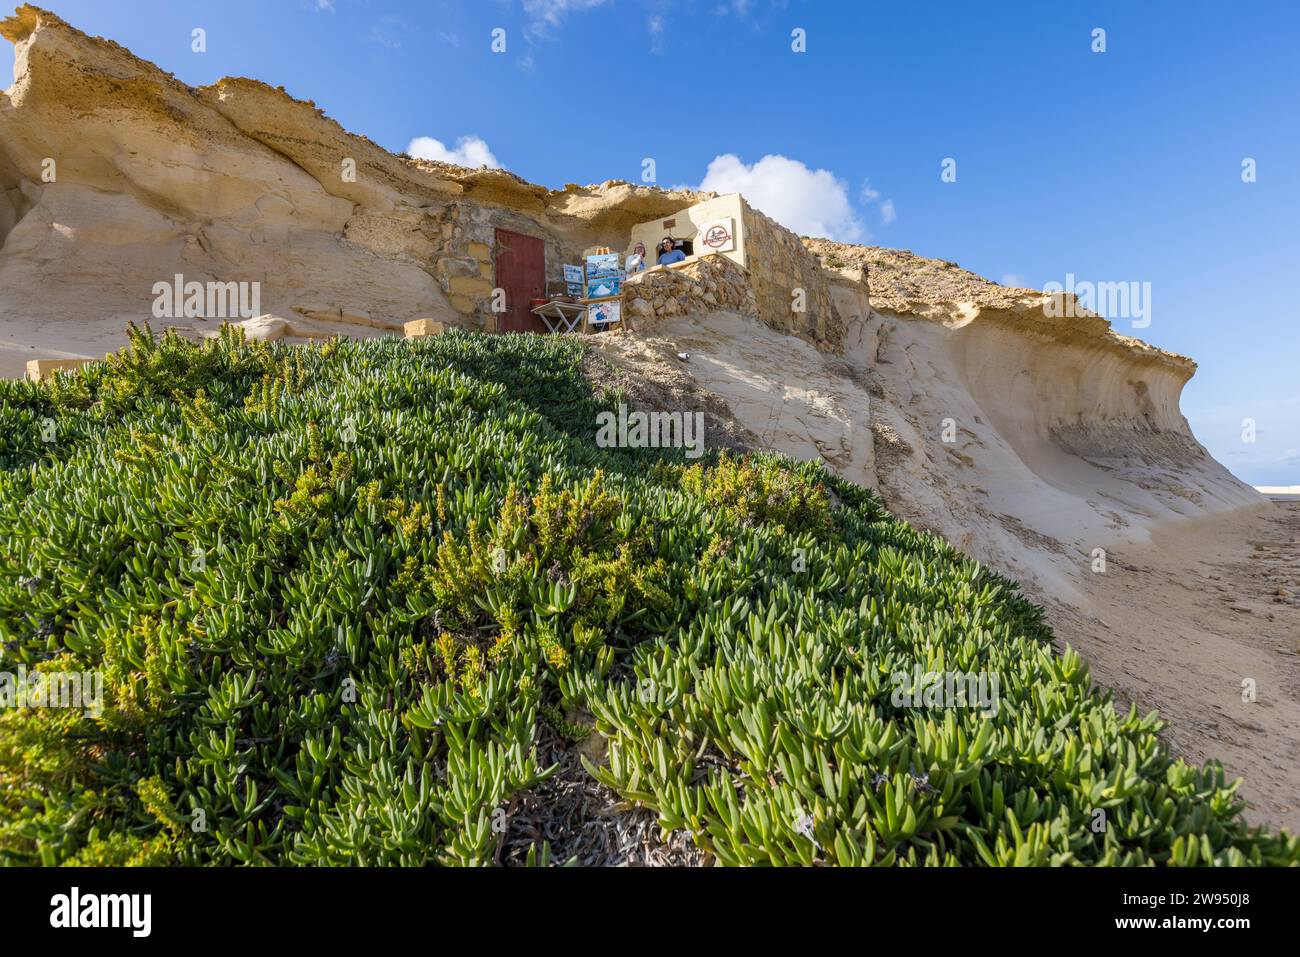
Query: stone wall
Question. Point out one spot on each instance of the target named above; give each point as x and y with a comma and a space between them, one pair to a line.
707, 284
462, 246
785, 277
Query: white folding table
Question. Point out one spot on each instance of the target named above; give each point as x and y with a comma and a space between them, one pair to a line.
560, 316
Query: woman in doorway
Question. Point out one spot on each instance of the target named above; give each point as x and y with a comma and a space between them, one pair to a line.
636, 261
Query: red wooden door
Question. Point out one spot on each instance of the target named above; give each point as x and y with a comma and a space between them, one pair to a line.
521, 272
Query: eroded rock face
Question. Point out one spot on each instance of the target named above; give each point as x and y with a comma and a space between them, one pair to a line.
1042, 371
127, 178
115, 176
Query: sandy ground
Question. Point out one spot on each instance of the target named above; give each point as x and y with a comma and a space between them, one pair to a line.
20, 342
1180, 625
1200, 592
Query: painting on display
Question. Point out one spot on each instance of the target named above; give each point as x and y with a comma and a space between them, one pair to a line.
604, 313
573, 279
602, 288
603, 266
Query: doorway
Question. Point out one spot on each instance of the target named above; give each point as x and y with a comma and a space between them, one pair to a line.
521, 274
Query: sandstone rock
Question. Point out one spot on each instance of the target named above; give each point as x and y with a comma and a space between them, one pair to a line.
197, 196
38, 369
356, 319
453, 267
472, 285
424, 327
271, 328
239, 173
240, 182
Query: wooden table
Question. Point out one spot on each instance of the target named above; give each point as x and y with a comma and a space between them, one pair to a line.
560, 316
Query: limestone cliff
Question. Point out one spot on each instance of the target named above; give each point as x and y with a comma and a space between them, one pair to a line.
115, 176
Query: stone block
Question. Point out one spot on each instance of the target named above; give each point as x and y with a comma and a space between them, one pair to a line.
470, 286
452, 266
424, 327
38, 369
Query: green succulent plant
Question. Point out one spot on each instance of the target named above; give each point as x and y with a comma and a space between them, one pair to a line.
337, 594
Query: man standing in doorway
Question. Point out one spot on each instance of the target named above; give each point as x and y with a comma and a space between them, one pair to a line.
668, 253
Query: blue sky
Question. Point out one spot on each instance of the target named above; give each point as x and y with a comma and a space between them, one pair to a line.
1119, 166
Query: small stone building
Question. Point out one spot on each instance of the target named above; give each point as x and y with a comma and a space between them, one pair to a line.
493, 260
711, 226
786, 286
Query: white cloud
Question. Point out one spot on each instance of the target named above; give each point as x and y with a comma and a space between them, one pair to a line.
470, 151
388, 32
869, 194
1014, 280
324, 5
812, 202
656, 27
544, 19
550, 13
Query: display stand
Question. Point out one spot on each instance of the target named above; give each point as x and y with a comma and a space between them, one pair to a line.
603, 313
604, 277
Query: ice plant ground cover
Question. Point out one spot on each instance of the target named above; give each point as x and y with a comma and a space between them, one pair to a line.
335, 592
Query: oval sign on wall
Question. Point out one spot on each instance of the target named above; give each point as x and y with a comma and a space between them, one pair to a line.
717, 236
